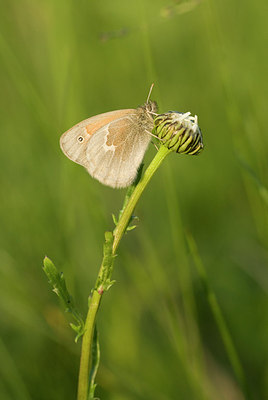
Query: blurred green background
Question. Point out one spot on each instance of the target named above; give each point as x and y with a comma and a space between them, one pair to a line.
64, 61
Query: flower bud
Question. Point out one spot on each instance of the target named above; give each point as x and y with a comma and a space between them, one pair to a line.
179, 132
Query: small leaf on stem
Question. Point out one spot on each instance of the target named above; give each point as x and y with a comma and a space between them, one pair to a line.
94, 364
58, 284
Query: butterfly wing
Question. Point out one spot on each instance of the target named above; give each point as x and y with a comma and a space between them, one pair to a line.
110, 146
115, 151
74, 141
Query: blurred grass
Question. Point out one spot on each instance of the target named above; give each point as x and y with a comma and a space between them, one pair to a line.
63, 61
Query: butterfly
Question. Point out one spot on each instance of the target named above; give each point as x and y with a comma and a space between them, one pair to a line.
111, 146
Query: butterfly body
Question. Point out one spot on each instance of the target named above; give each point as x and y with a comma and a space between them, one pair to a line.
111, 146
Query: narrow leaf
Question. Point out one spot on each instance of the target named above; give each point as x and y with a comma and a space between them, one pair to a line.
57, 281
94, 364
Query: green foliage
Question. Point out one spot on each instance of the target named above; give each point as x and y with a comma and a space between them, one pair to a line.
129, 192
57, 281
104, 281
94, 365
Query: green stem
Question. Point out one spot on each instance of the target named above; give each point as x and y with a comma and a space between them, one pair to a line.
125, 217
85, 360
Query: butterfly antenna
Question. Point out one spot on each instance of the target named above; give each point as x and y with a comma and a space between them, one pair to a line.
150, 91
150, 133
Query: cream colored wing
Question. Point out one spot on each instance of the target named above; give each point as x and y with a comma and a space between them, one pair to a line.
74, 142
115, 152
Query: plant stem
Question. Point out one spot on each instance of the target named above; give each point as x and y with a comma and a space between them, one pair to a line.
125, 217
85, 360
86, 349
